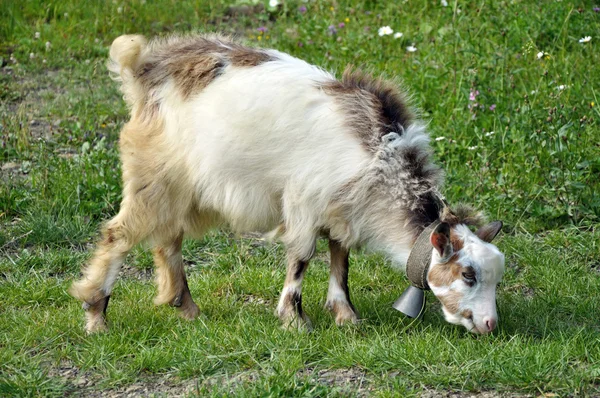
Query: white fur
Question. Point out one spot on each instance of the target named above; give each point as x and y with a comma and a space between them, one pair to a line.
335, 292
262, 154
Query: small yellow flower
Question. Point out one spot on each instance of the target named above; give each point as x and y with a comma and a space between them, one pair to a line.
267, 36
331, 9
103, 125
347, 20
592, 104
259, 38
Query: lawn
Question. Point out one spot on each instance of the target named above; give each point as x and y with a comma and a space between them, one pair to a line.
509, 89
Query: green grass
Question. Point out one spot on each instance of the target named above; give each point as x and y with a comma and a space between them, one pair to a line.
60, 116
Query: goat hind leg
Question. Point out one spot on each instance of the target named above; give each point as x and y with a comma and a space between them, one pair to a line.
99, 276
171, 280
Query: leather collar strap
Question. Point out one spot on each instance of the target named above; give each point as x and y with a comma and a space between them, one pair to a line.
419, 258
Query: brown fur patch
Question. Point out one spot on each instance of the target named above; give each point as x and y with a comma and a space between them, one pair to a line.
194, 62
457, 243
247, 57
196, 73
109, 237
373, 107
468, 314
451, 301
444, 274
462, 214
295, 271
300, 267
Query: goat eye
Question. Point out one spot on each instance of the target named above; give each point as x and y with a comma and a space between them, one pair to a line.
469, 276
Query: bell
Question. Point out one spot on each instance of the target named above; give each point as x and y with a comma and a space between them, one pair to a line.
411, 303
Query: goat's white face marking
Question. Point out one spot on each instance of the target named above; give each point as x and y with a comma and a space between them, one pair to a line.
466, 284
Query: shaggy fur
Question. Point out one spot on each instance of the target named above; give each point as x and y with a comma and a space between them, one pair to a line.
223, 134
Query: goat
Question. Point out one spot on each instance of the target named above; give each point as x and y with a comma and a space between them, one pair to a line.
224, 134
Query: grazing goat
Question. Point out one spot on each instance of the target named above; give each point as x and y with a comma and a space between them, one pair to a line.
223, 134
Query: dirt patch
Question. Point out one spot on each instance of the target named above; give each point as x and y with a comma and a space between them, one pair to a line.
430, 393
81, 383
351, 381
163, 387
251, 299
132, 272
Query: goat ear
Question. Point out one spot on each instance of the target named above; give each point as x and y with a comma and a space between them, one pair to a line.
488, 232
440, 239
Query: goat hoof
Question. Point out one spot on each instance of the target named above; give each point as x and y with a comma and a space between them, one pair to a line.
346, 320
95, 323
296, 323
343, 311
190, 312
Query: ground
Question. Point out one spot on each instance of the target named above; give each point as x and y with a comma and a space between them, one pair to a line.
509, 91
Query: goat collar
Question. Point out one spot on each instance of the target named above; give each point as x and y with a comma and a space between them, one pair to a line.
419, 258
412, 302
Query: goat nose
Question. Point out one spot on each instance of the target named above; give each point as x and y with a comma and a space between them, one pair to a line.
490, 323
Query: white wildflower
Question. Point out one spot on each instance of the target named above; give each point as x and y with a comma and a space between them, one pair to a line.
398, 35
119, 10
533, 92
48, 46
385, 30
66, 15
37, 35
31, 55
440, 138
411, 49
87, 61
44, 61
489, 134
472, 148
540, 55
561, 87
96, 40
444, 3
273, 3
585, 39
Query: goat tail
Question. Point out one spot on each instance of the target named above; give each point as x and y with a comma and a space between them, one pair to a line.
126, 56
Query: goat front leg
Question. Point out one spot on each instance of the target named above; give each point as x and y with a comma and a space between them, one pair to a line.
338, 295
170, 278
289, 309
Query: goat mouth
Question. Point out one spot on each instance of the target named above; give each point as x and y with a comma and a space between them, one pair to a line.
471, 327
477, 330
